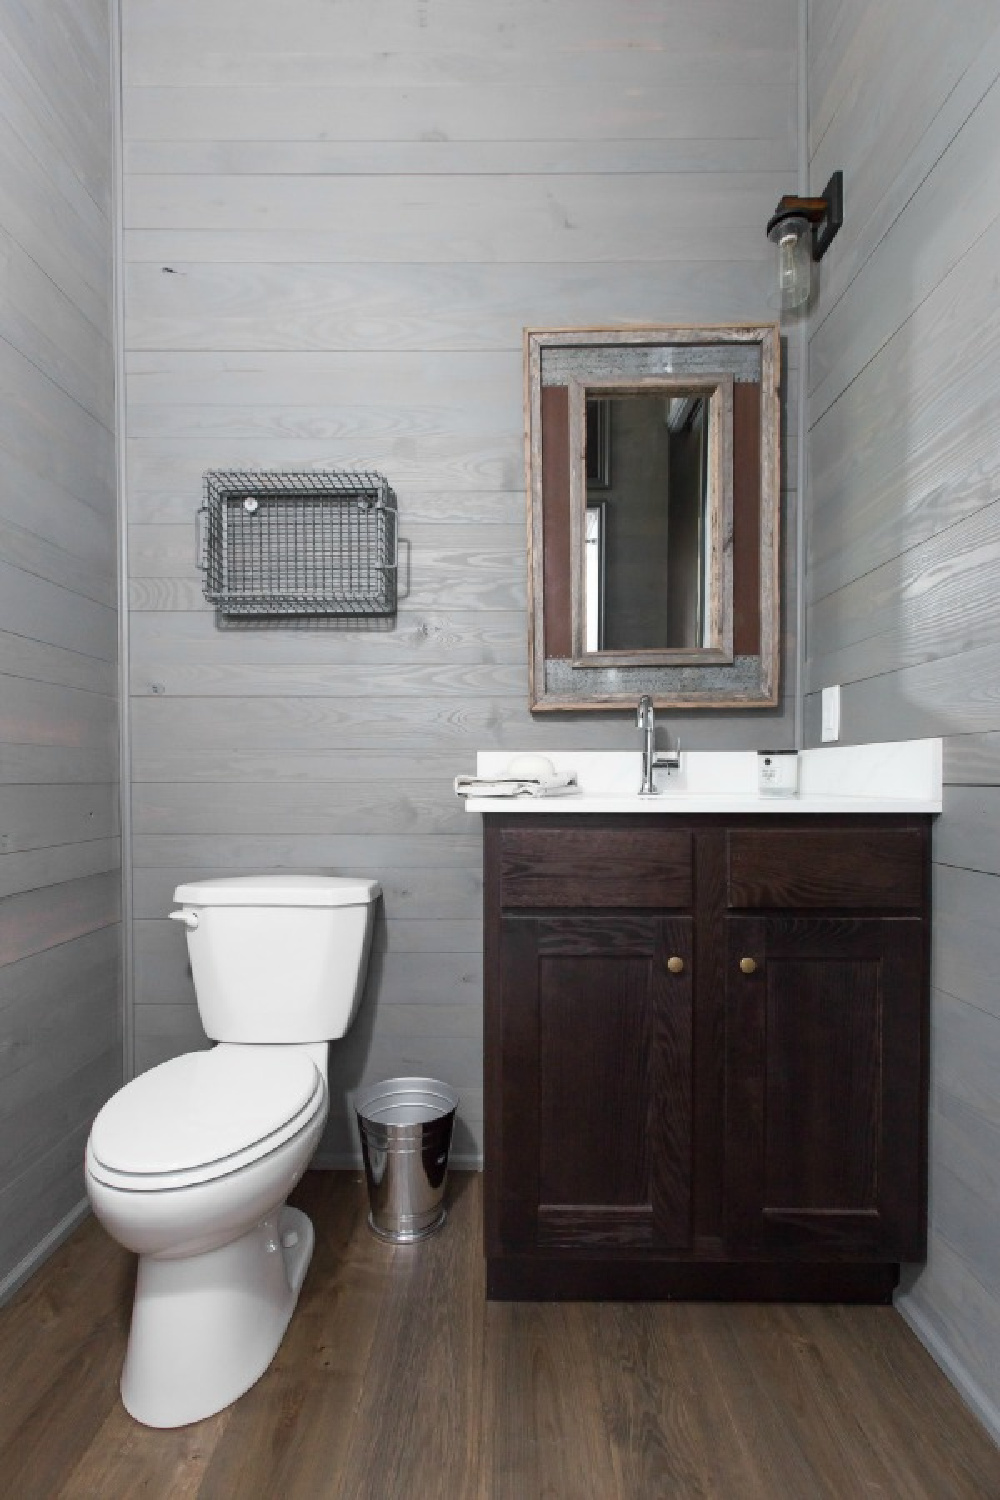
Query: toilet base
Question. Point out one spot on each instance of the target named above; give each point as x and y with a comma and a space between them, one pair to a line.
206, 1327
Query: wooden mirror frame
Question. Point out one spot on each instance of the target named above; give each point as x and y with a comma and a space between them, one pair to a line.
743, 672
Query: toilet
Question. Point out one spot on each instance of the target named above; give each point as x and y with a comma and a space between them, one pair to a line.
190, 1164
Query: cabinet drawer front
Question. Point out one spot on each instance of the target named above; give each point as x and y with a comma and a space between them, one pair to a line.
586, 868
856, 868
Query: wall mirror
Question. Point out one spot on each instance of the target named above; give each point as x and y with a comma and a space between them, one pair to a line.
653, 516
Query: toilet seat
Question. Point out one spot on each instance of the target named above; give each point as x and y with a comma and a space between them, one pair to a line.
203, 1116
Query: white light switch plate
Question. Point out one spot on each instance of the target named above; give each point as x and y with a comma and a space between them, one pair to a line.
831, 714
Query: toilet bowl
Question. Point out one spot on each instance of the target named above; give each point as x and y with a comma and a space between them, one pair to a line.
189, 1165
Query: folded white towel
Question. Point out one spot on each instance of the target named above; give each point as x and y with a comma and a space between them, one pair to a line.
560, 784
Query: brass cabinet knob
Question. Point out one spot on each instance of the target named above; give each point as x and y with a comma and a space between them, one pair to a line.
675, 965
748, 965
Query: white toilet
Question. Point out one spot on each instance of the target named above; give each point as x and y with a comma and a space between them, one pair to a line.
190, 1164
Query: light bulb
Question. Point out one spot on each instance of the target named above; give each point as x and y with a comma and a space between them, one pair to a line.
793, 238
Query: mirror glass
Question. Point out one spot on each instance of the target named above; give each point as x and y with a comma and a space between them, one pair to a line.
653, 488
648, 575
651, 521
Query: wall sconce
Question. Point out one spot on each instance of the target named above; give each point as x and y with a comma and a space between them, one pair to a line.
803, 230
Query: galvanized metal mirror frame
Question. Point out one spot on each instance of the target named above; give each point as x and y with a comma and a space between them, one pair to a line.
561, 365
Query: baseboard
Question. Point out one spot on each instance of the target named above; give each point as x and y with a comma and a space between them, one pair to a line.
345, 1161
968, 1388
27, 1267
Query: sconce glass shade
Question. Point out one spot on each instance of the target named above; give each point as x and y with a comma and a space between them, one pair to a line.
793, 237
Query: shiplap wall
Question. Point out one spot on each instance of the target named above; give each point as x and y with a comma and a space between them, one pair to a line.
903, 547
339, 219
60, 1052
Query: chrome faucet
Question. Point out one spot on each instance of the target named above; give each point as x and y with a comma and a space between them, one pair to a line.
646, 721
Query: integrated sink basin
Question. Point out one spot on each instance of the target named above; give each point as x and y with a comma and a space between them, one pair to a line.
900, 776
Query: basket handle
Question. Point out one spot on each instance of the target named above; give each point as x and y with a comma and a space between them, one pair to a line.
200, 560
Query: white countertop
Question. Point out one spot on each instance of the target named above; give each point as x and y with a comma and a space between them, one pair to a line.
901, 776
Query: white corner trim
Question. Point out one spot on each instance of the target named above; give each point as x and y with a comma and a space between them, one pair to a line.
124, 699
15, 1279
969, 1389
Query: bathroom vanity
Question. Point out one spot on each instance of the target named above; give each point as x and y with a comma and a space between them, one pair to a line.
706, 1037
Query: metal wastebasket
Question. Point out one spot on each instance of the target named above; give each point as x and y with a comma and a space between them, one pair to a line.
406, 1126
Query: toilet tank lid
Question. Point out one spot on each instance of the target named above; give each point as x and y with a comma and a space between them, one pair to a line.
279, 890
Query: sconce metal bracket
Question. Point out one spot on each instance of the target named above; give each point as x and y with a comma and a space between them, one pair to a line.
825, 214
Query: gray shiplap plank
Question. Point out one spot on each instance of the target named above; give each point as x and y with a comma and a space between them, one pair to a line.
37, 993
57, 665
65, 128
972, 759
45, 559
47, 327
290, 807
310, 305
37, 868
173, 395
34, 1202
34, 920
433, 37
40, 1111
49, 506
177, 759
966, 946
368, 854
50, 764
964, 1219
966, 1040
43, 611
295, 681
165, 644
278, 112
970, 1143
43, 816
968, 833
958, 695
496, 158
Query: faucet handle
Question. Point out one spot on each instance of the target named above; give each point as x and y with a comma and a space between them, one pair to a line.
671, 760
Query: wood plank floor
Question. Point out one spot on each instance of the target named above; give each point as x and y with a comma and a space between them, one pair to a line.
397, 1379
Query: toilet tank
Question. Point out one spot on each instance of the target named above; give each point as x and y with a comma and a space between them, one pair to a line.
278, 958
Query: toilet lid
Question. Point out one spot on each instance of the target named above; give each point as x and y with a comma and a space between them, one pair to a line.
203, 1107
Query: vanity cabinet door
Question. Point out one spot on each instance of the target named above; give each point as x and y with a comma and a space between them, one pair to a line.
594, 1119
825, 1093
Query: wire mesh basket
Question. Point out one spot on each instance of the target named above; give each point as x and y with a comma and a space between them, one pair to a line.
299, 544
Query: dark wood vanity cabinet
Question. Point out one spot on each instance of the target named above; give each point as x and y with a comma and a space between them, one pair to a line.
705, 1055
